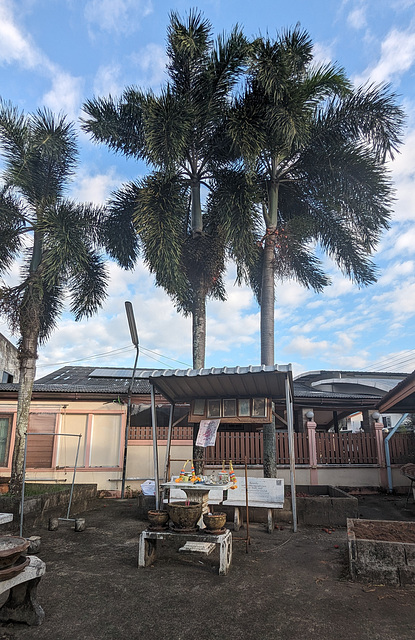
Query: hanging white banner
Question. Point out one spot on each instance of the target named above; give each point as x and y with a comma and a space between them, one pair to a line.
206, 436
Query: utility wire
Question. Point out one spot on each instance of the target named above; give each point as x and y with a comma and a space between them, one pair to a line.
394, 361
114, 351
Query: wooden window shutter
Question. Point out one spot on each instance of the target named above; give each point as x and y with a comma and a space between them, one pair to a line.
40, 448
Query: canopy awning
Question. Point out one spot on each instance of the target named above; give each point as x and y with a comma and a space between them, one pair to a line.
185, 385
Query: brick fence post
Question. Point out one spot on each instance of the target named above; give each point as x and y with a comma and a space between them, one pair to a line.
312, 451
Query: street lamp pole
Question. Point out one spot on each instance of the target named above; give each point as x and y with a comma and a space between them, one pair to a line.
134, 340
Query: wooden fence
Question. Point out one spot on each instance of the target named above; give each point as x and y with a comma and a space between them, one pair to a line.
146, 433
346, 448
402, 448
331, 448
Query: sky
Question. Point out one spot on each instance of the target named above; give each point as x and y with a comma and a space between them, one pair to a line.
59, 53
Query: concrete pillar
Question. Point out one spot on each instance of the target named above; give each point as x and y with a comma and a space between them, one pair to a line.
312, 450
380, 451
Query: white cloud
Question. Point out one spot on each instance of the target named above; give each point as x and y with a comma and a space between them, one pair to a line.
118, 16
94, 188
357, 18
396, 272
397, 56
16, 47
65, 93
322, 53
399, 302
306, 346
152, 61
107, 81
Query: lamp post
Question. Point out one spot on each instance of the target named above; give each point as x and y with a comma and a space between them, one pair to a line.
134, 340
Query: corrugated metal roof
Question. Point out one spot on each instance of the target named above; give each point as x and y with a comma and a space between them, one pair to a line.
180, 385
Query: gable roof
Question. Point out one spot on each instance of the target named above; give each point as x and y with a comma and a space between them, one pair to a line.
401, 398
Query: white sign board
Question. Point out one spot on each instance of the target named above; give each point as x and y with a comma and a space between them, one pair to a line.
262, 492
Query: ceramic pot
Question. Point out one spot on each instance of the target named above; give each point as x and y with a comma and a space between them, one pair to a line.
158, 518
214, 521
184, 516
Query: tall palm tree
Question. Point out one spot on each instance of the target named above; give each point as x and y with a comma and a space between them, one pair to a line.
313, 174
56, 239
179, 133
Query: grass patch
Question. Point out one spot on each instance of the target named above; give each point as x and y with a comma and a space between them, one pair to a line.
37, 489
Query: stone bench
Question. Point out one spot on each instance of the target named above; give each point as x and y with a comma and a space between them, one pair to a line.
21, 604
266, 493
147, 548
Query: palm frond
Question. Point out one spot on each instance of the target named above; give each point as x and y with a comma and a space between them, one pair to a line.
12, 225
117, 123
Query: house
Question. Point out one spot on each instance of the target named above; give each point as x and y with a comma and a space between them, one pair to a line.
88, 406
9, 362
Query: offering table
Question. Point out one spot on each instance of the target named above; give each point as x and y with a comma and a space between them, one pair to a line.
199, 492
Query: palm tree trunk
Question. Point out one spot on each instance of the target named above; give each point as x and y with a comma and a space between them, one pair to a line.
268, 301
199, 347
197, 222
267, 349
199, 331
28, 356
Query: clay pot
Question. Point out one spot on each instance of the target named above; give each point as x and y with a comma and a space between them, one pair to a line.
184, 516
11, 548
158, 518
214, 521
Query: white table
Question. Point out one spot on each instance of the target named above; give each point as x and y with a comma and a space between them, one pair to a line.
197, 492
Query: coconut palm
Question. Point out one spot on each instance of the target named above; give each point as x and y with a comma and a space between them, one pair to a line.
179, 133
55, 238
313, 174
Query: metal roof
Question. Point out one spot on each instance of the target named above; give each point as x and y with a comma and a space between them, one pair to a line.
183, 385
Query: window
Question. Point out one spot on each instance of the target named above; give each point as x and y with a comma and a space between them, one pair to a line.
199, 408
244, 407
40, 447
105, 440
259, 408
213, 409
229, 408
5, 429
72, 423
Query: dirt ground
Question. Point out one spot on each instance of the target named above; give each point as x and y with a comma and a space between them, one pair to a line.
288, 586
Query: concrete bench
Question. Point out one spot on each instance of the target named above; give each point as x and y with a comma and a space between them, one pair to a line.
21, 604
267, 493
6, 517
147, 548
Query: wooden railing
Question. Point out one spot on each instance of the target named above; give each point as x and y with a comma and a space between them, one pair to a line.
331, 448
402, 448
146, 433
346, 448
237, 446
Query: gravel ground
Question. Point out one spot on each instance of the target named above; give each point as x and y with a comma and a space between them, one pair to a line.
288, 586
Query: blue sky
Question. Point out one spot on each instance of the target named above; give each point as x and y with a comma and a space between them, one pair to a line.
58, 53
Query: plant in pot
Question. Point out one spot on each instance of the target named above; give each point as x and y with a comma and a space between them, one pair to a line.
184, 515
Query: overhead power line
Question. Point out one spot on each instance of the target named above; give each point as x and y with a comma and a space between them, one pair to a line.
117, 351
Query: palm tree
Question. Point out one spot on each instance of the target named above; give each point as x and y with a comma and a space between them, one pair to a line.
56, 239
313, 175
179, 133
